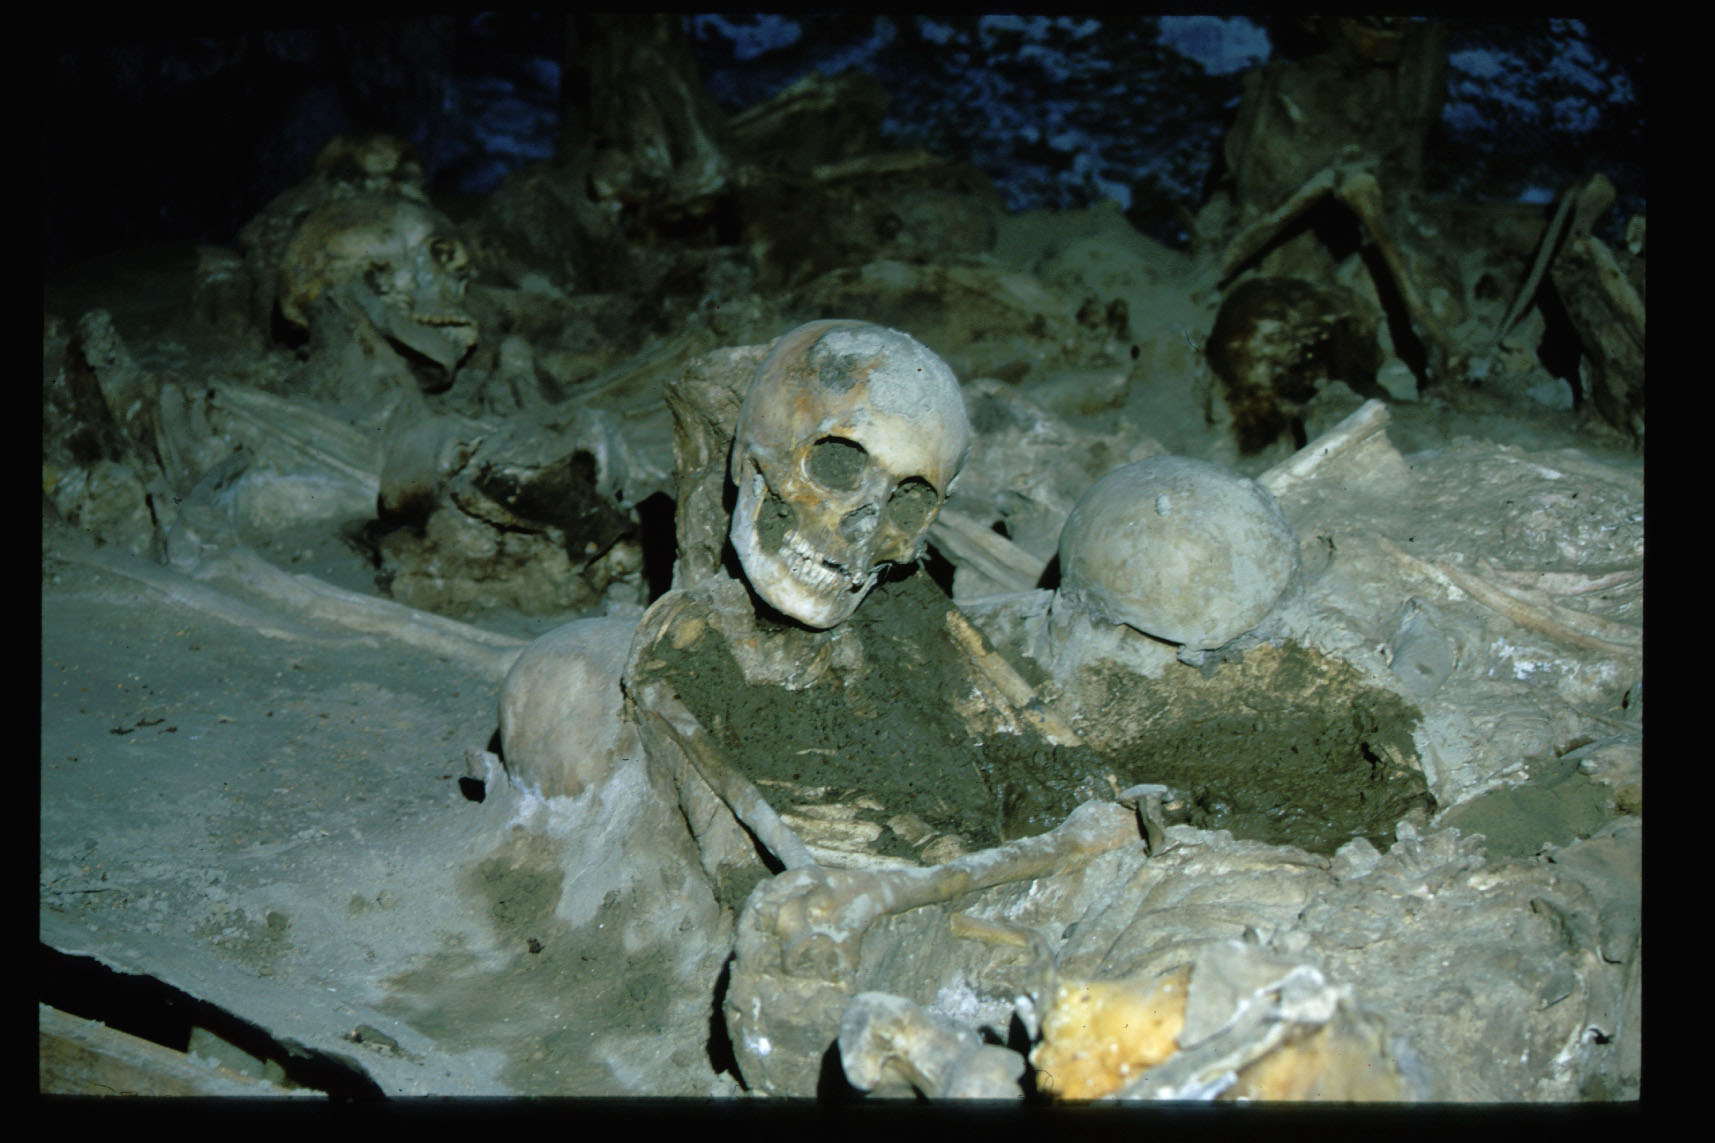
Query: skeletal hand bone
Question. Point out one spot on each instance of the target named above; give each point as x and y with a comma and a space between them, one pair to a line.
885, 1037
819, 915
847, 442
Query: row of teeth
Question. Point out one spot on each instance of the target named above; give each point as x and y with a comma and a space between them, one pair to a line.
811, 570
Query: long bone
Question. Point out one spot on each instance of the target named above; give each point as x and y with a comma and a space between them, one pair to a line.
669, 729
1351, 182
1562, 624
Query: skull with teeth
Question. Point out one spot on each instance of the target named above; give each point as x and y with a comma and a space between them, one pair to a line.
847, 442
394, 261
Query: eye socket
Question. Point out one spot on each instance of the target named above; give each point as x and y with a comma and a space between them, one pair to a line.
836, 463
911, 504
447, 252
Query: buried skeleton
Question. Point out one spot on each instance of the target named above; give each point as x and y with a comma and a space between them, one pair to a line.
1356, 815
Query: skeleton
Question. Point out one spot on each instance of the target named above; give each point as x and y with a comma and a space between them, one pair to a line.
803, 931
1299, 141
1351, 181
347, 166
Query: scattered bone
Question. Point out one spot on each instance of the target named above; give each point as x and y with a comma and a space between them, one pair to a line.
1016, 693
888, 1039
305, 432
1346, 443
967, 541
1567, 583
1576, 629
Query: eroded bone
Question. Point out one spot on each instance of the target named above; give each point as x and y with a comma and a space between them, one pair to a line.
817, 916
1229, 1020
968, 541
1258, 1025
798, 938
1354, 436
1562, 624
560, 707
886, 1038
1016, 696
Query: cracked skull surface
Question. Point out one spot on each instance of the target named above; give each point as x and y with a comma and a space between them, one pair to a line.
395, 261
847, 442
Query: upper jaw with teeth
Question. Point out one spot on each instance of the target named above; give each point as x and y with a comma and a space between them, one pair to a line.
815, 571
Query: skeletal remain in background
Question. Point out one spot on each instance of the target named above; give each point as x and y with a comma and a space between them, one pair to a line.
386, 260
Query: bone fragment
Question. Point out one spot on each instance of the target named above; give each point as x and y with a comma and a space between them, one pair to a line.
820, 915
1363, 194
1581, 205
312, 598
321, 438
1558, 623
1260, 233
969, 542
1285, 478
885, 1037
1567, 583
181, 590
1009, 682
1595, 626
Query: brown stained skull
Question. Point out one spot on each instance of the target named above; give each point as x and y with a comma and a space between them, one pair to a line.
847, 443
371, 162
395, 261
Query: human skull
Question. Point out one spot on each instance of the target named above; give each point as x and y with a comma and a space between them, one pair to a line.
847, 443
1178, 548
396, 260
371, 162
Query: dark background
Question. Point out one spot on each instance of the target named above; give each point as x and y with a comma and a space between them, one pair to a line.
170, 128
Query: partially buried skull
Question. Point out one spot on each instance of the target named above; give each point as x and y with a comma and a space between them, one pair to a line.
394, 261
847, 443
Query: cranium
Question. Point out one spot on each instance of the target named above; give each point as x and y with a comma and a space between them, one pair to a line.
396, 260
1179, 548
371, 162
847, 442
